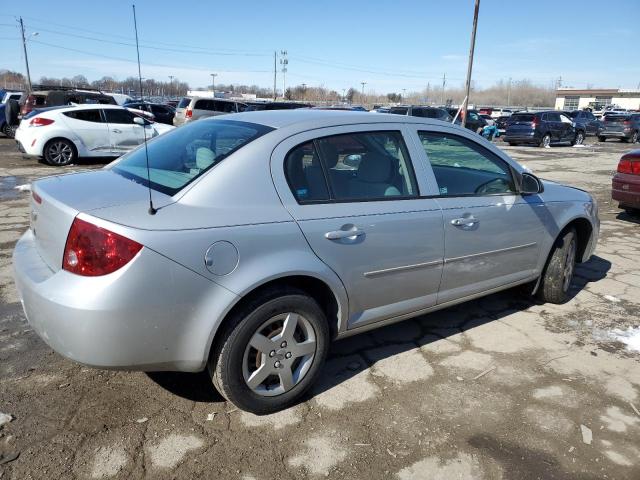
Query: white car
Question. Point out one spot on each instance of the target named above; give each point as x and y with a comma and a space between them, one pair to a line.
62, 134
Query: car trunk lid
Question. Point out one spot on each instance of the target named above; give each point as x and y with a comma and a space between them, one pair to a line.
56, 201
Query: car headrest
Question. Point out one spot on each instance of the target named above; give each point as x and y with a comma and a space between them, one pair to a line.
375, 168
329, 153
204, 157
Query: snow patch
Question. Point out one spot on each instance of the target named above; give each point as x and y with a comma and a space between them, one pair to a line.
5, 418
23, 188
630, 337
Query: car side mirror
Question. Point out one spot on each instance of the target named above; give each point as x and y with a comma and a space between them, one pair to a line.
139, 121
530, 184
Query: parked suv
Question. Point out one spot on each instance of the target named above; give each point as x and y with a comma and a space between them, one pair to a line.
540, 128
193, 108
421, 111
42, 96
626, 127
585, 123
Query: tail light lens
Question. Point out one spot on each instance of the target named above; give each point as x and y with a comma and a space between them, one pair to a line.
627, 122
534, 124
188, 113
40, 122
630, 164
92, 251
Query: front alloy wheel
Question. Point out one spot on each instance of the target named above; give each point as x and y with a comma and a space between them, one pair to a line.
558, 273
546, 141
579, 138
270, 351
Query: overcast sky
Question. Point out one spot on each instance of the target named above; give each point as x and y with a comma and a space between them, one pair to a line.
338, 44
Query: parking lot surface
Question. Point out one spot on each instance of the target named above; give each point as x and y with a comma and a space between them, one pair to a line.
500, 387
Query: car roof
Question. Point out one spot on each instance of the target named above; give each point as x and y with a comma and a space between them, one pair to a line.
310, 118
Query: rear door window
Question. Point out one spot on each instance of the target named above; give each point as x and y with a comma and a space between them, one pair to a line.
116, 115
204, 105
355, 167
92, 115
464, 168
225, 107
521, 117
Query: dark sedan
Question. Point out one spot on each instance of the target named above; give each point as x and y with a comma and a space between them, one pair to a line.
626, 182
162, 113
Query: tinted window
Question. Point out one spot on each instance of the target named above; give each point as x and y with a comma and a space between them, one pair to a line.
118, 116
86, 115
462, 167
184, 103
203, 105
226, 107
356, 166
158, 109
184, 154
521, 117
553, 117
399, 110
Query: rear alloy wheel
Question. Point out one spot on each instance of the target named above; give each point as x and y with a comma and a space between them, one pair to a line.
59, 152
546, 141
579, 140
558, 273
9, 130
271, 352
634, 137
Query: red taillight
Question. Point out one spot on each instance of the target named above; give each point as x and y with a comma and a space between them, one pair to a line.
627, 122
188, 113
92, 251
40, 122
37, 198
629, 164
534, 124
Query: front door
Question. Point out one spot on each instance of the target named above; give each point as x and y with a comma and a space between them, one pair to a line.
90, 128
123, 132
356, 199
492, 234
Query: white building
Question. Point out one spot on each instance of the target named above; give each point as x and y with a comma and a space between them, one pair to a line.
574, 99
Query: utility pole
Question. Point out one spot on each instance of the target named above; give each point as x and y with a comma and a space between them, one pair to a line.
26, 58
470, 66
213, 83
444, 82
304, 91
363, 84
509, 93
344, 95
404, 94
426, 100
284, 62
275, 74
171, 77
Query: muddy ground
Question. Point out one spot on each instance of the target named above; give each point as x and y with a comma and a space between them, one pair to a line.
501, 387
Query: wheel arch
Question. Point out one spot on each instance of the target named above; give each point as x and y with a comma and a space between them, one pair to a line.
334, 304
60, 137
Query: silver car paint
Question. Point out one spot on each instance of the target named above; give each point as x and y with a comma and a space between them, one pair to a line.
275, 237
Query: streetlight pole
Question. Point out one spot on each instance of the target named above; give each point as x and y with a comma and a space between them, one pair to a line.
284, 61
363, 84
171, 77
509, 93
26, 58
213, 84
304, 91
470, 66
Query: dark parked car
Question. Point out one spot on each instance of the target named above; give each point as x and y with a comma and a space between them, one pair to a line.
501, 123
42, 96
162, 113
256, 106
474, 121
421, 111
625, 187
540, 128
626, 127
586, 124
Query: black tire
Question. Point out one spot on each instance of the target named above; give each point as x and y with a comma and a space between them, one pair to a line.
513, 144
545, 140
634, 137
9, 130
228, 352
558, 272
601, 138
632, 211
59, 152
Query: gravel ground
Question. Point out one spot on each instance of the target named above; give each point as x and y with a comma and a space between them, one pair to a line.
501, 387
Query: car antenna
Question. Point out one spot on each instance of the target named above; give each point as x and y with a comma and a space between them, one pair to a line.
152, 211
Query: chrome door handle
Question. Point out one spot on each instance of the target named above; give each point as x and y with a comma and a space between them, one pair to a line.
464, 221
115, 130
340, 234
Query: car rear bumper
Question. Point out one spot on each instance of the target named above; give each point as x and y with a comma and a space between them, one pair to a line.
521, 137
152, 314
625, 189
615, 133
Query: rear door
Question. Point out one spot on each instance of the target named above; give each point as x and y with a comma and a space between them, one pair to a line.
355, 195
567, 130
90, 128
492, 234
124, 134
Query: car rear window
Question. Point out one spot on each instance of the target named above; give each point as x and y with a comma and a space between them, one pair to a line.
182, 155
522, 117
184, 103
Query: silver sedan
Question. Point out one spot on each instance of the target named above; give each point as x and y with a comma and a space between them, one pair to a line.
271, 234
